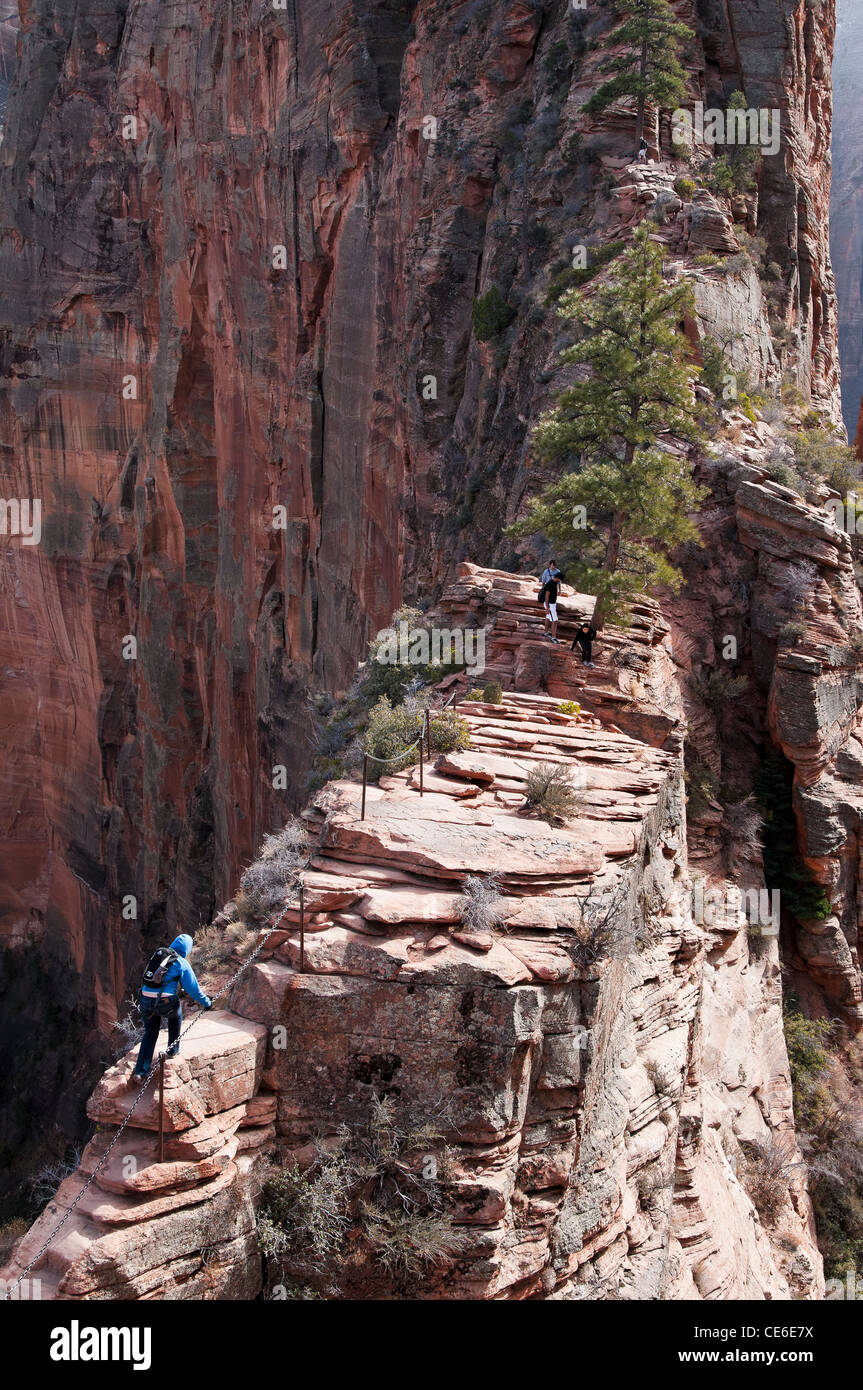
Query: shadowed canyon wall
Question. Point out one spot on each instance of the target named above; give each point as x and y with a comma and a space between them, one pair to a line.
236, 275
846, 207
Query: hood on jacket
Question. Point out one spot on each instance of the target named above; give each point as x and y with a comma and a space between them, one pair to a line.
182, 945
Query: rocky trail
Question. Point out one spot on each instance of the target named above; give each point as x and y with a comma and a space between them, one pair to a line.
565, 1034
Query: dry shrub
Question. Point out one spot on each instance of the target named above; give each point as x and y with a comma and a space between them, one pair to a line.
376, 1197
267, 882
479, 902
10, 1233
767, 1176
550, 793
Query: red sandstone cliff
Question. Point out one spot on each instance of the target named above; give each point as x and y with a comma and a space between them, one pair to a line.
147, 252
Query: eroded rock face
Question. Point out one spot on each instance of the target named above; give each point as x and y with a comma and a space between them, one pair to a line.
606, 1051
180, 1227
846, 209
170, 376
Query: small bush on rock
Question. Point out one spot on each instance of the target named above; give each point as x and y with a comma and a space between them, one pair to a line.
550, 793
480, 897
268, 880
374, 1200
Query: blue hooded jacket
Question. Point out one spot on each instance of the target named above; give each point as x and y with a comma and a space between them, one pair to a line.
181, 975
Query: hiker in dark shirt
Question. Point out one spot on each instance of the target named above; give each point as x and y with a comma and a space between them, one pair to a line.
585, 637
550, 590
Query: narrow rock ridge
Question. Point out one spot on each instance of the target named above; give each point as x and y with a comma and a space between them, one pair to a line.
606, 1055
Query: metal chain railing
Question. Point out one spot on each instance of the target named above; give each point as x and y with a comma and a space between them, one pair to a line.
156, 1065
425, 733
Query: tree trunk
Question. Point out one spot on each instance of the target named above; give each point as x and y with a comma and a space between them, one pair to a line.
642, 99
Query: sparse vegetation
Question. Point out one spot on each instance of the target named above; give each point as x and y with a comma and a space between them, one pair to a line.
827, 1110
550, 794
491, 315
569, 707
702, 787
571, 277
718, 688
767, 1176
479, 900
10, 1233
817, 455
792, 632
264, 886
492, 693
378, 1198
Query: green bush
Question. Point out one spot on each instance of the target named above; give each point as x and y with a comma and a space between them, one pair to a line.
491, 314
569, 707
573, 276
721, 177
684, 188
818, 455
391, 735
792, 631
448, 732
392, 678
492, 693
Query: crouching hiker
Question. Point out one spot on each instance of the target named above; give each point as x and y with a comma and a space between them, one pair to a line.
168, 971
585, 637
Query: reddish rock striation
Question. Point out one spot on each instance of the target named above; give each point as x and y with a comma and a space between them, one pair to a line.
846, 210
148, 251
601, 1047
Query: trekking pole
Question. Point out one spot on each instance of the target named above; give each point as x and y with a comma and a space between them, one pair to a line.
162, 1109
365, 769
302, 927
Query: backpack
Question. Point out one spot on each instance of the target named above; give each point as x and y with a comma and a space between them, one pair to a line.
154, 978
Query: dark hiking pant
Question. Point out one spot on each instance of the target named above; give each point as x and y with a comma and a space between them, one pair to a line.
152, 1024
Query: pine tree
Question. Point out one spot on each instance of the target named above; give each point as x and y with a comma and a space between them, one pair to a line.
622, 504
649, 68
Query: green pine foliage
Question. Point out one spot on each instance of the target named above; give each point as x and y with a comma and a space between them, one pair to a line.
491, 315
610, 430
800, 894
648, 69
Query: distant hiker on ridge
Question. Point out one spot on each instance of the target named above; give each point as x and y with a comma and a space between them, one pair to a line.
167, 972
585, 636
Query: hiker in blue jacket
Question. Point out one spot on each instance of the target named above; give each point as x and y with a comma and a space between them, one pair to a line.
156, 1004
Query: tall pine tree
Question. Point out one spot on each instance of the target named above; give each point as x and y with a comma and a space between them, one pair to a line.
618, 431
649, 68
